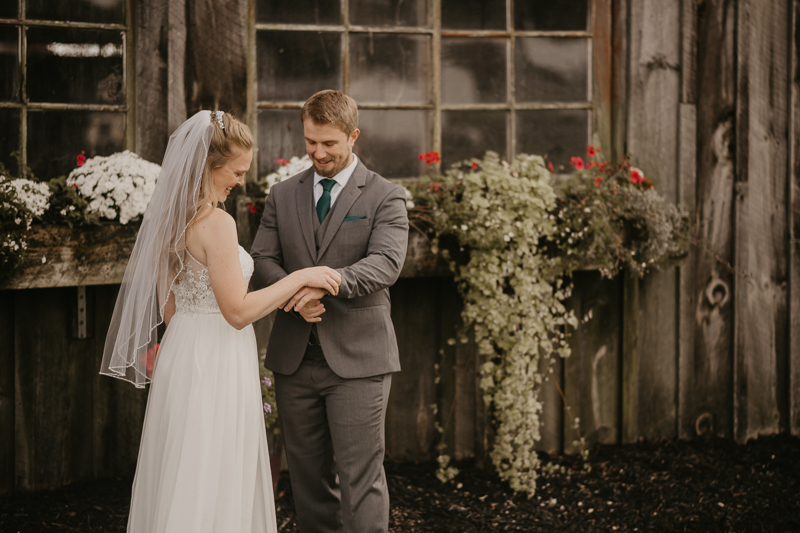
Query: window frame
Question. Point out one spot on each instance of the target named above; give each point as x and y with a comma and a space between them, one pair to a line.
128, 72
598, 59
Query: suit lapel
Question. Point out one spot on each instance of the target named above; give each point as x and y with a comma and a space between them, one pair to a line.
304, 196
344, 202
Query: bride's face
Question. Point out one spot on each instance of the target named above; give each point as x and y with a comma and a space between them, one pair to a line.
226, 177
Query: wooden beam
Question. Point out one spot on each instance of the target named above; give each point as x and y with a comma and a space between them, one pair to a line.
706, 308
761, 234
7, 400
652, 136
794, 223
152, 79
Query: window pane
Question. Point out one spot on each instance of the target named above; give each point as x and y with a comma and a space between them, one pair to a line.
9, 63
8, 9
9, 138
553, 15
408, 13
109, 11
468, 134
55, 138
280, 135
390, 69
75, 66
299, 11
552, 70
474, 14
293, 65
473, 71
556, 133
391, 140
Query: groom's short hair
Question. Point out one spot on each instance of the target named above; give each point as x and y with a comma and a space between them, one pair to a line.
332, 107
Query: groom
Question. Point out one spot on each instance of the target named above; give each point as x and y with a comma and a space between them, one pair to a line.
332, 377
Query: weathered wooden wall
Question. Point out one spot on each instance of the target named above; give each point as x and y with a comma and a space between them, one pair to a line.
705, 97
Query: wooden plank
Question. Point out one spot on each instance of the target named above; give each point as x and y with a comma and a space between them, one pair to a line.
416, 313
687, 166
217, 68
706, 357
794, 225
689, 51
54, 426
7, 455
152, 89
552, 417
176, 60
591, 373
761, 236
652, 141
620, 73
602, 73
630, 358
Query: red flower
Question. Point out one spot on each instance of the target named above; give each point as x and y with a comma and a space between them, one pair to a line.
576, 162
474, 166
429, 157
81, 159
590, 151
602, 167
281, 161
598, 181
75, 185
150, 359
637, 176
550, 166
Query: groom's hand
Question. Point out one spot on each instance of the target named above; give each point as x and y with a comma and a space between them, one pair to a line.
312, 310
302, 297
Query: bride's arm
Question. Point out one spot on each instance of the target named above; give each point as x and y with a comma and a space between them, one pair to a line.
217, 233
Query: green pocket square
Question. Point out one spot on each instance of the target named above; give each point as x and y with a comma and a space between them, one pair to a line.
355, 217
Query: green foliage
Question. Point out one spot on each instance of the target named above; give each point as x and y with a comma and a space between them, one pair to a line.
67, 206
610, 217
488, 222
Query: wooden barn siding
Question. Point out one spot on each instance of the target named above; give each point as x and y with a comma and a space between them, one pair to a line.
794, 222
760, 249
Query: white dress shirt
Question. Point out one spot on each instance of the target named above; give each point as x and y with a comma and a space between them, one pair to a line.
341, 180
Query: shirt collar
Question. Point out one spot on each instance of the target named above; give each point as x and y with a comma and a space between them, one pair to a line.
343, 176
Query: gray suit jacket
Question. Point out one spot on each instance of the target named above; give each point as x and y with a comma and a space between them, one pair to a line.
356, 332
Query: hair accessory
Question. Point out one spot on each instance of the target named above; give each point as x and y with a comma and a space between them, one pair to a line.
219, 115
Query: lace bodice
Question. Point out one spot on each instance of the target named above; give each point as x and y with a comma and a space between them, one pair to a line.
193, 294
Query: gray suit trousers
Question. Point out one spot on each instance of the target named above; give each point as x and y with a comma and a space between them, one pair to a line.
325, 416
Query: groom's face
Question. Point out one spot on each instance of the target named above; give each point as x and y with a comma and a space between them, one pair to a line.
329, 148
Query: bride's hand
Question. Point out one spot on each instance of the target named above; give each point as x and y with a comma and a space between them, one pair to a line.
322, 277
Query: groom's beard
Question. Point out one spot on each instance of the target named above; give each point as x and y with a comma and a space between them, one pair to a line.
331, 170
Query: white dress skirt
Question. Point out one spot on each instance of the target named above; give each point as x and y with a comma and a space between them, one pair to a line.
203, 460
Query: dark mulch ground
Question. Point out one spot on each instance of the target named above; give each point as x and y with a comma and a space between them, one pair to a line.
703, 486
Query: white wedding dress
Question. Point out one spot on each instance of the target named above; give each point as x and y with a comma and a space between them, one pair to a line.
203, 461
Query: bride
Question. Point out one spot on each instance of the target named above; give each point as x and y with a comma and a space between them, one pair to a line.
203, 462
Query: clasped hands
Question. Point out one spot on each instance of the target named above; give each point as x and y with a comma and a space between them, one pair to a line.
320, 281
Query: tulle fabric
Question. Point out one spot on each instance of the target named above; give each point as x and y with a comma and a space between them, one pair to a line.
203, 462
149, 277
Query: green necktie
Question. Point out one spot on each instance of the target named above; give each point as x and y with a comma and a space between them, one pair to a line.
324, 204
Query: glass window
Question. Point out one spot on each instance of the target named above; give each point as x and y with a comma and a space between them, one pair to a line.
507, 85
103, 11
55, 138
398, 13
556, 133
299, 11
9, 64
390, 68
551, 15
468, 134
552, 69
473, 71
474, 14
391, 140
75, 66
69, 92
280, 135
293, 65
9, 138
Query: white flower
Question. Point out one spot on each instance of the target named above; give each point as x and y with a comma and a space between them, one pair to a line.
294, 166
120, 184
464, 227
44, 259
